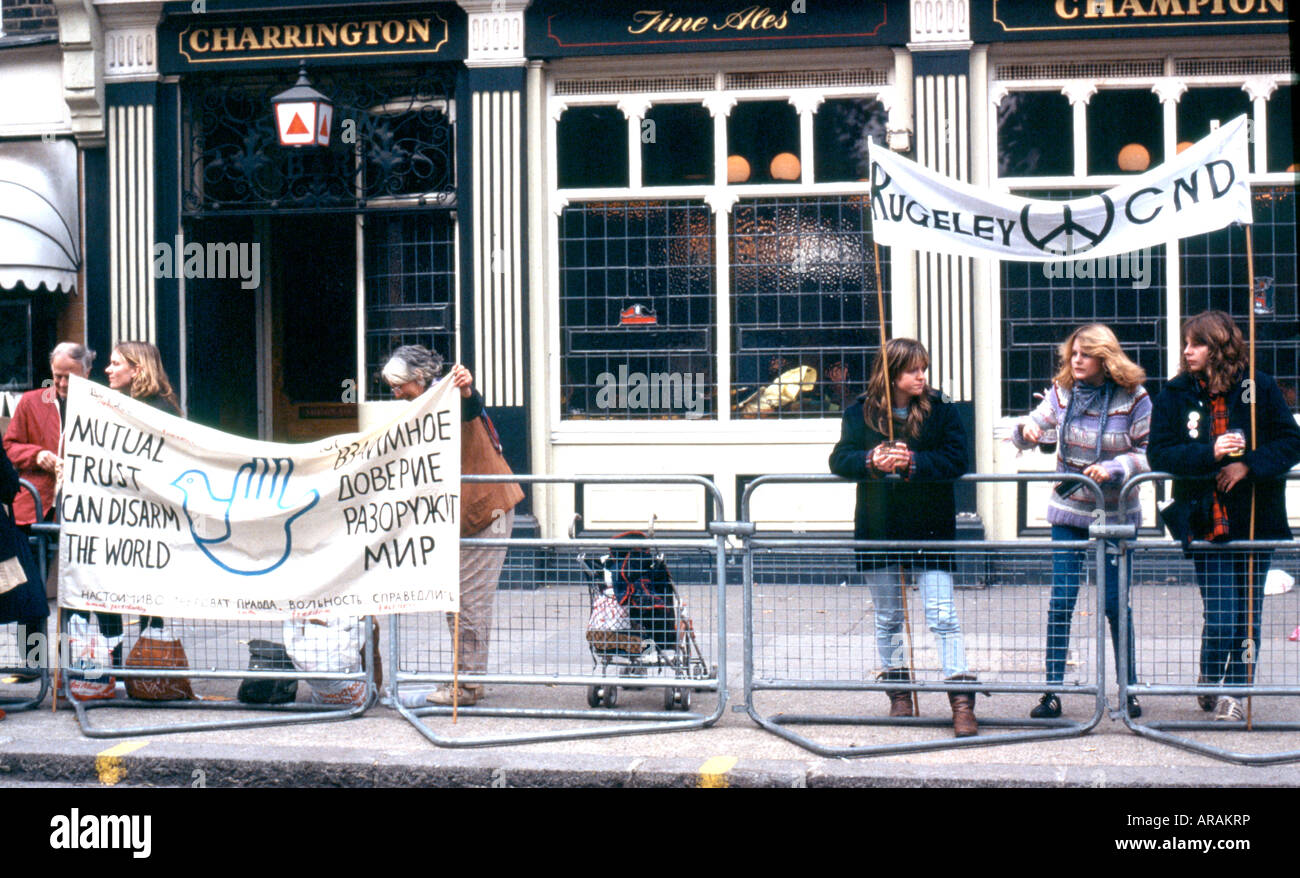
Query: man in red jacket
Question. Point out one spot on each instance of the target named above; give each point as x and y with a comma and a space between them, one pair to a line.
32, 440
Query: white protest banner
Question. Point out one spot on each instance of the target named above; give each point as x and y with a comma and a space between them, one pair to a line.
163, 517
1201, 189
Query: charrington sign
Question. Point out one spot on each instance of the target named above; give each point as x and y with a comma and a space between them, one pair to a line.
1054, 19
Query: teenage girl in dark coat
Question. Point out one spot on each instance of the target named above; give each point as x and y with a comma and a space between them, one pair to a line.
905, 493
1209, 396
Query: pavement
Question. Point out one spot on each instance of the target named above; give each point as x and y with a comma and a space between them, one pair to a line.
814, 631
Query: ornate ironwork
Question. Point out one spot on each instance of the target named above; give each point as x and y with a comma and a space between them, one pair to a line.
393, 137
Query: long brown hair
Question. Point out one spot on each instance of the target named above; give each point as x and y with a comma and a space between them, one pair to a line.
1227, 349
1097, 340
150, 377
904, 355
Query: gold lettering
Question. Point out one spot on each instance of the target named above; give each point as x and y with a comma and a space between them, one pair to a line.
327, 32
371, 27
194, 40
1166, 7
417, 25
350, 33
292, 38
1132, 7
649, 15
223, 39
782, 22
1246, 11
1218, 8
1073, 13
1276, 4
1194, 6
398, 30
271, 37
247, 36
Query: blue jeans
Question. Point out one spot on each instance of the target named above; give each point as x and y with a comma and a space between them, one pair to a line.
1066, 567
1222, 578
940, 615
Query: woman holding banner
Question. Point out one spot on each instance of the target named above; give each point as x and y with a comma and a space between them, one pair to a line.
1229, 468
918, 503
487, 510
1102, 415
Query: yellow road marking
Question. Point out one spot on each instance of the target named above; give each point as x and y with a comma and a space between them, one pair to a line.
713, 773
109, 764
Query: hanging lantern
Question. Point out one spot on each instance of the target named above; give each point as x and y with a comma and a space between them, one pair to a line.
1134, 157
785, 166
303, 116
737, 169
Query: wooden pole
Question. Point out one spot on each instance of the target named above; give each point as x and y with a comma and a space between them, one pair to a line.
1250, 557
455, 667
889, 421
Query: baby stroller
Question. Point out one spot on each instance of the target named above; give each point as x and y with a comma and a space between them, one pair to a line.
638, 624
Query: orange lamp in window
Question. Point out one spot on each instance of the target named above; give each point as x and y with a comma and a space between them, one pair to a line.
737, 169
303, 115
1183, 145
1134, 157
785, 166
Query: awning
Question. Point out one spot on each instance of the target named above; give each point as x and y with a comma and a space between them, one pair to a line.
39, 218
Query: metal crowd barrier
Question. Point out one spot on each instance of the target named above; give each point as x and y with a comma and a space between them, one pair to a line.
544, 662
809, 621
217, 654
1168, 617
17, 641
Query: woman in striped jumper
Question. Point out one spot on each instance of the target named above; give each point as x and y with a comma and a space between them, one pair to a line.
1101, 414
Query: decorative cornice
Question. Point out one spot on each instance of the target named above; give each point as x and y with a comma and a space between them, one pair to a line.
496, 32
1169, 89
1080, 91
82, 43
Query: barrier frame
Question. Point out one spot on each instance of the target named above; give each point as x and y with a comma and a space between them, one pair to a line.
1039, 729
1162, 730
626, 722
37, 542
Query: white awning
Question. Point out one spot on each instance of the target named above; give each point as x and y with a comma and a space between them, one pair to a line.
39, 218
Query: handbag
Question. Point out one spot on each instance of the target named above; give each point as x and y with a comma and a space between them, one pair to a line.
482, 503
266, 655
154, 649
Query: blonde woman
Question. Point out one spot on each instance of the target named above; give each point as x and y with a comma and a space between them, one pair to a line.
135, 368
1102, 416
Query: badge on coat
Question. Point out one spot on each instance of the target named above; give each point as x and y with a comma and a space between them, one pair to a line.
1194, 424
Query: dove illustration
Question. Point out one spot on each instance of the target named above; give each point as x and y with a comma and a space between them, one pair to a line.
246, 520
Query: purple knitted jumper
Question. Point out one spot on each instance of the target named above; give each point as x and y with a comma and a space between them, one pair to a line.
1123, 452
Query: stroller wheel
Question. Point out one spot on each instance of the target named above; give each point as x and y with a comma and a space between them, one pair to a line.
593, 696
609, 696
676, 698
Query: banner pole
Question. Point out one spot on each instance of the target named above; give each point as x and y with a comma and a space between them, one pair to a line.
1250, 557
455, 666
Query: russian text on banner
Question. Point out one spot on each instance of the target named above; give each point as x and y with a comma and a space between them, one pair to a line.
1201, 189
164, 517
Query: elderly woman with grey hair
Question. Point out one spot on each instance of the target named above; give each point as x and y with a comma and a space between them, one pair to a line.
486, 509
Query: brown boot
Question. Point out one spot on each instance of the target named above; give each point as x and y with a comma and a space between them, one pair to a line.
900, 700
963, 710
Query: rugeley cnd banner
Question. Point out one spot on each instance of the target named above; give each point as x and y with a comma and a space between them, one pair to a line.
1201, 189
168, 518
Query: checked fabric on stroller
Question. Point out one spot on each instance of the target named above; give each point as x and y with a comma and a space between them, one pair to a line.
638, 623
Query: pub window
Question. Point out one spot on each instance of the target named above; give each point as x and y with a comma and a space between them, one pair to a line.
1201, 110
1124, 131
763, 143
1214, 276
1042, 303
1281, 128
803, 305
592, 148
842, 128
677, 145
1034, 135
637, 310
410, 269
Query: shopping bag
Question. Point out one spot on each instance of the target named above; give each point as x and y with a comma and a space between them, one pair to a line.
158, 648
333, 646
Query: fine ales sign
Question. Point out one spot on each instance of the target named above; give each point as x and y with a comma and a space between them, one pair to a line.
202, 42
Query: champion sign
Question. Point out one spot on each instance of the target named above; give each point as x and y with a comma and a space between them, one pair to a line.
1202, 189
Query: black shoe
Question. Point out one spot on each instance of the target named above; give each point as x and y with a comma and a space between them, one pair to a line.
1049, 707
1134, 709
